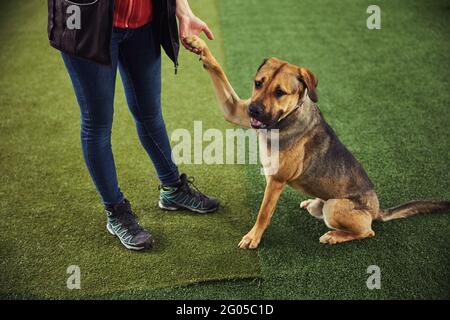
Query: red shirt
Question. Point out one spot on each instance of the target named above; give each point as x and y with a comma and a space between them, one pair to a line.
132, 13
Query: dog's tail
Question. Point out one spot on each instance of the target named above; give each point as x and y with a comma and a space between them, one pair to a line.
413, 208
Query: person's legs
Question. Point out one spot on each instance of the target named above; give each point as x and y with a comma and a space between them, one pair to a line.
140, 70
94, 86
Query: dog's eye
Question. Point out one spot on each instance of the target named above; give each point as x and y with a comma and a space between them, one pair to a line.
258, 84
279, 93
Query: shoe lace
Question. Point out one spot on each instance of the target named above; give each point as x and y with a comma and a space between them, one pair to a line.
128, 221
193, 190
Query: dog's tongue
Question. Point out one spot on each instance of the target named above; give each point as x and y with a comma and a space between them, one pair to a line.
255, 123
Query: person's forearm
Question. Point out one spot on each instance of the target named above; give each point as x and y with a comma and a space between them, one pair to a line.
183, 9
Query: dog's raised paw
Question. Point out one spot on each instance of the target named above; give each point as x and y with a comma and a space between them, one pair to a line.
195, 42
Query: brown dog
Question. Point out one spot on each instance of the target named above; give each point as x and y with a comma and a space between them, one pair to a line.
311, 157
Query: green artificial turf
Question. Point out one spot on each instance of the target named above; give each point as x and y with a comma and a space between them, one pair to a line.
51, 216
385, 92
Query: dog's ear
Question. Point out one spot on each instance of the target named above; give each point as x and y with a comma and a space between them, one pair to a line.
263, 63
311, 82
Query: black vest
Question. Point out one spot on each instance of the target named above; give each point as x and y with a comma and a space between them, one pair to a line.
92, 41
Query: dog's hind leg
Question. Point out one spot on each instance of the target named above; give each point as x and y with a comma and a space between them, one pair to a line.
314, 207
348, 222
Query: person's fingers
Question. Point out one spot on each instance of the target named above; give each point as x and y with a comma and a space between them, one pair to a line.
208, 32
185, 44
183, 32
194, 50
183, 28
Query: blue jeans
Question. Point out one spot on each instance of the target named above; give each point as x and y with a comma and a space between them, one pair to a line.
140, 69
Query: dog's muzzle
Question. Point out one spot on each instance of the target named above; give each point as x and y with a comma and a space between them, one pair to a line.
256, 114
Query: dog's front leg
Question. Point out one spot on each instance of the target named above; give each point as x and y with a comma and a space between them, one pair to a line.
271, 195
234, 108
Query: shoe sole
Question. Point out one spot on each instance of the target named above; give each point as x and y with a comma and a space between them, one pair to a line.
124, 244
181, 207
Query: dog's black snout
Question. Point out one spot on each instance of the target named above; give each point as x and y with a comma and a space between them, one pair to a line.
255, 110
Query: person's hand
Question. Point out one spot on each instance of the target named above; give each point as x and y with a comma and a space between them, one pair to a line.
191, 25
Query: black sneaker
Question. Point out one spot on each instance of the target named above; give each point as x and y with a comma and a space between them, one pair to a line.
122, 223
186, 196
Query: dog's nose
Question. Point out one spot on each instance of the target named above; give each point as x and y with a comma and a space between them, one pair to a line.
254, 110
